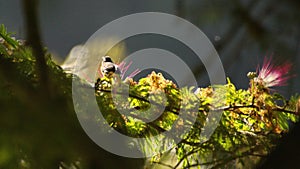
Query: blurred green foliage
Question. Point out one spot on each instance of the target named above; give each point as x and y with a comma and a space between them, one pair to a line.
38, 131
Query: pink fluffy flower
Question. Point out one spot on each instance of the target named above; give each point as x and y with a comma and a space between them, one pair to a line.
271, 75
123, 67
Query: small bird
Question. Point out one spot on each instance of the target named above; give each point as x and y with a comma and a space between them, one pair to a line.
108, 68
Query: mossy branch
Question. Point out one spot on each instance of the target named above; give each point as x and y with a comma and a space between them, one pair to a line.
30, 8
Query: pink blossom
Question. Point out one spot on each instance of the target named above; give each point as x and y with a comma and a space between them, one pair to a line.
123, 67
271, 75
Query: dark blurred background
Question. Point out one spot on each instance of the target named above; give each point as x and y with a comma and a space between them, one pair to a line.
242, 31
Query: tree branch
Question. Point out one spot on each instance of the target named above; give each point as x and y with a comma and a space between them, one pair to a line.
34, 40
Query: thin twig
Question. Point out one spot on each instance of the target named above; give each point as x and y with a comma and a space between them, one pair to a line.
251, 106
140, 98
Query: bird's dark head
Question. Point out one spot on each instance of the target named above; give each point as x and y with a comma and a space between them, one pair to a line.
106, 59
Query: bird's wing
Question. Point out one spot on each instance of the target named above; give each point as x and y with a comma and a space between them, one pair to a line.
118, 70
108, 67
